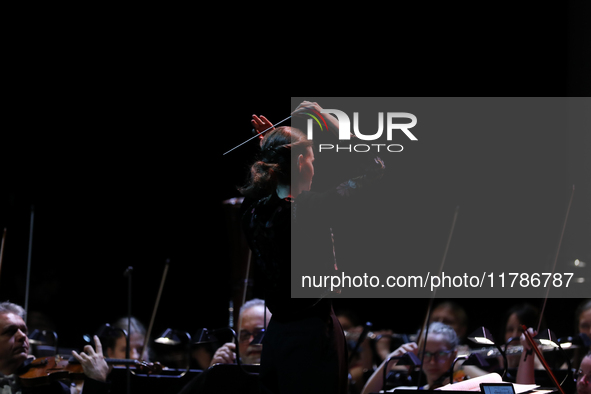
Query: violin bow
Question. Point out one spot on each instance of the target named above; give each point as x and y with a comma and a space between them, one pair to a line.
424, 327
556, 257
541, 358
244, 294
255, 136
149, 331
29, 263
431, 301
527, 335
2, 248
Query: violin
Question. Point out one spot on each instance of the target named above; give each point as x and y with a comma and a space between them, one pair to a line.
42, 371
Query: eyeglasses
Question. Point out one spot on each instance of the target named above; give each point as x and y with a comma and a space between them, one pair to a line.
440, 356
580, 374
246, 335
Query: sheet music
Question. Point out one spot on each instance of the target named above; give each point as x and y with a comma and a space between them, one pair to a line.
474, 384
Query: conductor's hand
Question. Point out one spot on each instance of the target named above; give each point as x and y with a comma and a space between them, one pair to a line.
224, 355
306, 106
93, 363
261, 124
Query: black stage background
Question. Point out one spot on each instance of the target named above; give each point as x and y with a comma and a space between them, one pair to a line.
139, 202
139, 178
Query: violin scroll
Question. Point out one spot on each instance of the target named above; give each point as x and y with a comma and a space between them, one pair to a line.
148, 368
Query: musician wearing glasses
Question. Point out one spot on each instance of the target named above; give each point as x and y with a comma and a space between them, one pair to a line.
440, 352
252, 322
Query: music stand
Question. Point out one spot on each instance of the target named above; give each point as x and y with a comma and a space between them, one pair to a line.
225, 378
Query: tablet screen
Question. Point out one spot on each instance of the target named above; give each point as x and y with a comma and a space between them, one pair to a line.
497, 388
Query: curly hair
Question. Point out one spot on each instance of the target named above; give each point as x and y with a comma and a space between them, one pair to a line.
446, 331
279, 148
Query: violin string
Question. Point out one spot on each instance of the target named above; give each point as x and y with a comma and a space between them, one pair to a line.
256, 135
151, 325
535, 348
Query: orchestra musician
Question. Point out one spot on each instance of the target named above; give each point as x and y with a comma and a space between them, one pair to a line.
518, 315
582, 365
525, 372
14, 349
583, 328
440, 352
116, 346
452, 314
251, 318
252, 321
